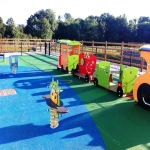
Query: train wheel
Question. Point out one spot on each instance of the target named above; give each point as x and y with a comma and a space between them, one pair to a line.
77, 68
95, 82
73, 72
62, 68
86, 78
67, 70
143, 95
119, 91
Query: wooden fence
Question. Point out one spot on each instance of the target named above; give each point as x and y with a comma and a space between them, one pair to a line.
14, 45
121, 53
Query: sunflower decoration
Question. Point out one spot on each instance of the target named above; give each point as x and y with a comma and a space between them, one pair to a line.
82, 61
55, 91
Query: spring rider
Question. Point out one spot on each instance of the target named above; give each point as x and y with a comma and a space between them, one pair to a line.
56, 107
13, 61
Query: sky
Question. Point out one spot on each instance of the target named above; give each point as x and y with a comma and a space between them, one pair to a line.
21, 10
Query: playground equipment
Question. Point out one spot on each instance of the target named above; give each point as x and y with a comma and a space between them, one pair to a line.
55, 104
13, 61
141, 89
85, 67
3, 55
65, 52
127, 76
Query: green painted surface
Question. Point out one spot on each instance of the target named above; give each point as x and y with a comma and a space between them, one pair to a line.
69, 42
122, 67
103, 73
129, 76
73, 60
122, 125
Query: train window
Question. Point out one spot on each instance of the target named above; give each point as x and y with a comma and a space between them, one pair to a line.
64, 51
76, 51
85, 54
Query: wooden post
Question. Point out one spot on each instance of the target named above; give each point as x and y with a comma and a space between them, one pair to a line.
40, 46
7, 45
142, 63
121, 58
60, 49
82, 46
15, 44
130, 58
96, 52
45, 47
55, 45
28, 44
92, 46
49, 48
0, 45
21, 48
105, 54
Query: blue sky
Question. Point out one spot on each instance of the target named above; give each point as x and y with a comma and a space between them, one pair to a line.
21, 10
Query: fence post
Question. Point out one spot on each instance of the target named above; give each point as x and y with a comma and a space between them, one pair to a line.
0, 45
49, 48
40, 45
28, 44
60, 49
82, 46
142, 62
92, 46
121, 58
96, 52
45, 47
55, 41
130, 58
105, 57
21, 48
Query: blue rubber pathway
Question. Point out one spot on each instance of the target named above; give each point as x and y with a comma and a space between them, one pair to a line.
24, 119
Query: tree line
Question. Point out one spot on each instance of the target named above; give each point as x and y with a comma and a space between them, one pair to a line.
106, 27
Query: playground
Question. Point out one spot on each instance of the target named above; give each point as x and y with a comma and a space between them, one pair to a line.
97, 119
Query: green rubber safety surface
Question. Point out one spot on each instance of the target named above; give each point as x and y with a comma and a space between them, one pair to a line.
122, 124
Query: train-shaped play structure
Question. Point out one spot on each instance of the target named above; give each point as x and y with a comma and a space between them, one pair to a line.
67, 48
104, 77
85, 66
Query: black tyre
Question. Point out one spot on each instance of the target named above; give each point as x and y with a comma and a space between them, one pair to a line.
119, 91
62, 68
73, 72
86, 78
67, 70
58, 68
95, 82
77, 68
143, 95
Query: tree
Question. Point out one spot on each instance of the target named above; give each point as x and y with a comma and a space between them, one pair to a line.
10, 21
2, 28
46, 33
35, 25
143, 19
132, 30
91, 28
143, 32
68, 18
11, 30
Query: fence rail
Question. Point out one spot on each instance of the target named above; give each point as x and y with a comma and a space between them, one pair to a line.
122, 53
